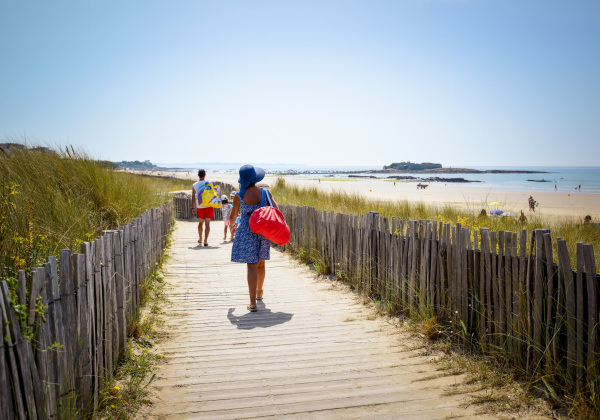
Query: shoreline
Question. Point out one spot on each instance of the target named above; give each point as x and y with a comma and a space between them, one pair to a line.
443, 171
555, 205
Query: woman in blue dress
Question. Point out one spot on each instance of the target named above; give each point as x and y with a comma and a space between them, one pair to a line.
249, 247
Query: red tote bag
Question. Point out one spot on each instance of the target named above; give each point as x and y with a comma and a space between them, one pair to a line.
270, 223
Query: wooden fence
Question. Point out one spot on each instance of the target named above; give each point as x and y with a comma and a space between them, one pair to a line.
503, 291
183, 203
79, 308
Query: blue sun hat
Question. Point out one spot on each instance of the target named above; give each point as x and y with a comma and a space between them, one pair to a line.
249, 175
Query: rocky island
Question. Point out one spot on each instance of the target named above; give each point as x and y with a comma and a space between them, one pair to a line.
415, 178
425, 172
437, 168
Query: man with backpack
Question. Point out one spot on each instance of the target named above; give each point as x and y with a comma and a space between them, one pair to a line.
205, 214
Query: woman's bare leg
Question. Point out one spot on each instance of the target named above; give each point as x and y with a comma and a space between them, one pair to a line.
252, 281
260, 278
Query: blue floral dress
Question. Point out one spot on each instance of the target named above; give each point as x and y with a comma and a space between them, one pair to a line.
249, 247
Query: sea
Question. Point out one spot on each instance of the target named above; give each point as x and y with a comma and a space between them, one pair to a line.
564, 178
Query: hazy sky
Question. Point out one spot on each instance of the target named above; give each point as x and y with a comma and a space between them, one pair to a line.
460, 82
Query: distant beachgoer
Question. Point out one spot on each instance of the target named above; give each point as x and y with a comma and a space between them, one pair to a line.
205, 214
554, 187
579, 188
394, 183
226, 212
531, 204
249, 247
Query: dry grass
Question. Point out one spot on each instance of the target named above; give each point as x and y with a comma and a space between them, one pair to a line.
352, 203
55, 200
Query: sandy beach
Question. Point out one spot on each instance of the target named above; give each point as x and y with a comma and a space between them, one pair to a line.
575, 205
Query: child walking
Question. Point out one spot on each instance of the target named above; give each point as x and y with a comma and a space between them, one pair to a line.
237, 220
226, 211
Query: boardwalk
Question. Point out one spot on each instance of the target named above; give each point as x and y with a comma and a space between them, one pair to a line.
311, 351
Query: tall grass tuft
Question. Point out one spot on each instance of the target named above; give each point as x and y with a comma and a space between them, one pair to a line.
55, 200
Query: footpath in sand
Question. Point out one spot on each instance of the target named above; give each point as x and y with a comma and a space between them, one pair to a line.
311, 351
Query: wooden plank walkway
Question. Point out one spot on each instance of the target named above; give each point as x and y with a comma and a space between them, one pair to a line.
311, 351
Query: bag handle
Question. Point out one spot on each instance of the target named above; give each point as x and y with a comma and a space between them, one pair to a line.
269, 198
262, 199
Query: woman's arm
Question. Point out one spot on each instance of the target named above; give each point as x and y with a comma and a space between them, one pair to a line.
235, 209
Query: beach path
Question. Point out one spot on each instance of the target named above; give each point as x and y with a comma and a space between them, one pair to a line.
313, 350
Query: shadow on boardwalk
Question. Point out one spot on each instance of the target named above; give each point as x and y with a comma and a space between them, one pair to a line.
250, 320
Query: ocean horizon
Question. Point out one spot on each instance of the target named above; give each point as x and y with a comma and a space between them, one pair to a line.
566, 178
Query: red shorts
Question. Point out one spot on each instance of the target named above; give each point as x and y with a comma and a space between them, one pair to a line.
206, 213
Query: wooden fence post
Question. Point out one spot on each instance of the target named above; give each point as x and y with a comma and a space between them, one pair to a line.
6, 405
15, 375
593, 290
120, 291
580, 299
68, 327
99, 311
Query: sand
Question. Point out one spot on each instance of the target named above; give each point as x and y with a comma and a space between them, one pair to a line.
554, 205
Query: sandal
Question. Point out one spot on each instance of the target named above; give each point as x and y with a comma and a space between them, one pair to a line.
252, 309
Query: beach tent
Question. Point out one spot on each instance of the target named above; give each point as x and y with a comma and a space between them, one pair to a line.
497, 212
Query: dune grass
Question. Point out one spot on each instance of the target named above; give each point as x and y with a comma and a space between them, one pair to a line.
55, 200
352, 203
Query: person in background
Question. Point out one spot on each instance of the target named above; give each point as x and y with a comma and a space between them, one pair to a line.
226, 211
531, 204
249, 247
205, 214
237, 220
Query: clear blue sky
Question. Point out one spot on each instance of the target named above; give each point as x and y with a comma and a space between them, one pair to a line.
460, 82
